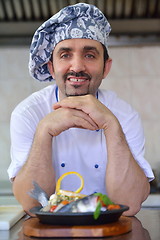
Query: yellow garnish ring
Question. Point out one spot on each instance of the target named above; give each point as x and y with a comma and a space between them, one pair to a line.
58, 185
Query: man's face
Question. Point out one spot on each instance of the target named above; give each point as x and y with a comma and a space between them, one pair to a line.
78, 67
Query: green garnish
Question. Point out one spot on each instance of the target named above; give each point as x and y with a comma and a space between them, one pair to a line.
102, 199
98, 210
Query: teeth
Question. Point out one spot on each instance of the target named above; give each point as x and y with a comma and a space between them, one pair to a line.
76, 80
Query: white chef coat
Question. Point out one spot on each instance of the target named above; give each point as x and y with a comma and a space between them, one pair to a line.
79, 150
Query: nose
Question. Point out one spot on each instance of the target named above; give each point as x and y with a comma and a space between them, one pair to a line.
77, 64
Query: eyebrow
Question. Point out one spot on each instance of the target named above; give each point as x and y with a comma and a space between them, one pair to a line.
67, 49
86, 48
91, 48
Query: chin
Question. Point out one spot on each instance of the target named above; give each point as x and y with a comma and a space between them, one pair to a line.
76, 94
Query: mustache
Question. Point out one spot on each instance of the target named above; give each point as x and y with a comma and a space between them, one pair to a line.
77, 74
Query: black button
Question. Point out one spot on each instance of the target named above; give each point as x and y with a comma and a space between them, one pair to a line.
96, 165
62, 164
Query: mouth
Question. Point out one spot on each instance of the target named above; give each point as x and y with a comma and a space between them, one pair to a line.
77, 80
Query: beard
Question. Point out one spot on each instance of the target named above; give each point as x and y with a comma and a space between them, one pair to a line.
76, 93
74, 74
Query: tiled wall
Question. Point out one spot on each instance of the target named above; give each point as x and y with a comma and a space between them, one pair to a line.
135, 76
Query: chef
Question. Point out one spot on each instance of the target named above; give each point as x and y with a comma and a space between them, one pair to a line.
73, 125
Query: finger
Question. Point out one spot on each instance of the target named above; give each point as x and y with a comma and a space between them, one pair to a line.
82, 123
56, 106
77, 102
81, 114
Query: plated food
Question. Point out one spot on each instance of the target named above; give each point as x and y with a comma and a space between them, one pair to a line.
68, 208
61, 197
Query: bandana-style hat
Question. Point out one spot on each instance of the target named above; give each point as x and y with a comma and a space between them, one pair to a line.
75, 21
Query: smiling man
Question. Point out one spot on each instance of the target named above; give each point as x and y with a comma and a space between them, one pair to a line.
78, 67
73, 125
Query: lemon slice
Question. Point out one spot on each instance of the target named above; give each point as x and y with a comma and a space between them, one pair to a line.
58, 185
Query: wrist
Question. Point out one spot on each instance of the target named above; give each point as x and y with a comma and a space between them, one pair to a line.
43, 131
113, 128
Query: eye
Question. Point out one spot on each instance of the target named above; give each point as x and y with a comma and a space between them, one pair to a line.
65, 55
89, 55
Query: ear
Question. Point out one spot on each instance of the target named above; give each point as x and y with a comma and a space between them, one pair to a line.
107, 67
50, 68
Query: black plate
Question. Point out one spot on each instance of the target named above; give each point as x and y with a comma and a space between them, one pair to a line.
78, 218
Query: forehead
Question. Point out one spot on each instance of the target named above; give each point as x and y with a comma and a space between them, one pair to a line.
79, 44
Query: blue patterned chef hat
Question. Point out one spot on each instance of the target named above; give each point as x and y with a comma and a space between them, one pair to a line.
75, 21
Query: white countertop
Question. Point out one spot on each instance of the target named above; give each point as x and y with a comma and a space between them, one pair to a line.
10, 212
153, 201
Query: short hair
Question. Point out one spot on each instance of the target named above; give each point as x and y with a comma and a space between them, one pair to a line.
106, 55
